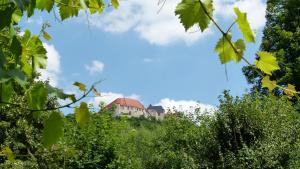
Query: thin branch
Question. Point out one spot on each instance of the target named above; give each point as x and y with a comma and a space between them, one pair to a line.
234, 48
54, 108
229, 29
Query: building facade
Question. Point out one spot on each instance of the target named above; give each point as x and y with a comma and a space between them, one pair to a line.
127, 107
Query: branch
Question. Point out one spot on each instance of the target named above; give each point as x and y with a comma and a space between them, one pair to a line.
233, 47
54, 108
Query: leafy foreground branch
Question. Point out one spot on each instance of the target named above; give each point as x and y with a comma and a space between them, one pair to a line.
200, 13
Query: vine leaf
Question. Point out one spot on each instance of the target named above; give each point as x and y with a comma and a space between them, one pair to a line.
81, 86
82, 114
191, 13
290, 90
68, 8
6, 91
37, 97
266, 63
266, 82
45, 4
8, 153
115, 3
53, 129
47, 36
60, 93
226, 52
244, 25
96, 6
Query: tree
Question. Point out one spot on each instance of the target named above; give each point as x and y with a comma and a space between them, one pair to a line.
282, 38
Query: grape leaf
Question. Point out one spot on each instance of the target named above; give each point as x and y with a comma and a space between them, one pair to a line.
37, 96
6, 16
226, 52
244, 25
44, 4
6, 91
266, 63
191, 13
81, 86
115, 3
96, 6
290, 90
266, 82
53, 129
59, 93
68, 8
8, 153
47, 36
82, 114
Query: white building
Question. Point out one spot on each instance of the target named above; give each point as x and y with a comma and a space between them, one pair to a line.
128, 107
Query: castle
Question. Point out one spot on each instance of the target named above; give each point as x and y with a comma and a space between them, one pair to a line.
133, 108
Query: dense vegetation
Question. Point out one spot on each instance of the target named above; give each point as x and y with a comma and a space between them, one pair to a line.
253, 131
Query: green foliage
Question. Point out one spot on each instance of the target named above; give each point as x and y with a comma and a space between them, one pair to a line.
82, 114
37, 96
244, 25
191, 13
81, 86
53, 129
266, 63
281, 38
226, 52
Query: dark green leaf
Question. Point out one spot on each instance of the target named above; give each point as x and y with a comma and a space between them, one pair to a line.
82, 114
53, 129
37, 96
45, 4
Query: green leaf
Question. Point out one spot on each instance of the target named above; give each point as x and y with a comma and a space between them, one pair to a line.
115, 3
226, 52
53, 129
45, 4
191, 13
17, 15
244, 25
290, 90
46, 36
83, 4
81, 86
59, 93
8, 153
6, 17
68, 8
266, 82
266, 63
33, 53
37, 96
6, 91
96, 6
82, 114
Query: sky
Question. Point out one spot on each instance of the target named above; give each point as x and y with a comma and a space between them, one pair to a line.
144, 54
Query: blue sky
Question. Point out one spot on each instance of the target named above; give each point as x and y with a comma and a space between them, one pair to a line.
145, 55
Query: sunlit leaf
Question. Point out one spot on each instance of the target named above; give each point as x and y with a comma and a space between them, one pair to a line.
53, 129
96, 6
115, 3
8, 153
81, 86
266, 82
191, 13
226, 51
46, 35
266, 63
82, 114
68, 8
6, 91
45, 4
37, 96
244, 25
290, 90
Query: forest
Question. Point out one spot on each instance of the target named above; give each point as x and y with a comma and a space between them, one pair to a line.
258, 129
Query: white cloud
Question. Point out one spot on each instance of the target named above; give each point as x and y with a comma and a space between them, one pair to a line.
186, 106
141, 17
95, 67
163, 28
108, 97
147, 60
255, 9
53, 69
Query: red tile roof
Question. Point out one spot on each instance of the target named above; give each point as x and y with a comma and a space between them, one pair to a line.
127, 102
